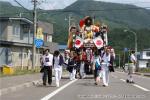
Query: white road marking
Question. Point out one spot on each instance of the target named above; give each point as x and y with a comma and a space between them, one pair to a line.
123, 80
58, 90
138, 86
134, 75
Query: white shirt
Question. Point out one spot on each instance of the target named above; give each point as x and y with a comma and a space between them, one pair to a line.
56, 63
48, 60
132, 58
106, 59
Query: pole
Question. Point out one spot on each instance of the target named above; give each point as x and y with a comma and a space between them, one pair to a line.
135, 39
119, 61
124, 57
33, 46
69, 23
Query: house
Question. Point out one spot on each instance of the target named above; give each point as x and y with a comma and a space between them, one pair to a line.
16, 38
144, 59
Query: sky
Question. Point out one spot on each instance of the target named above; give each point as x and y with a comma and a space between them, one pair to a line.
60, 4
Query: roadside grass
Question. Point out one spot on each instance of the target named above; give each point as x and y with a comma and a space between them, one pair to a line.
18, 71
144, 70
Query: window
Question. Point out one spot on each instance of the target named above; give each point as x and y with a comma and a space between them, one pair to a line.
20, 55
16, 29
49, 38
25, 55
147, 53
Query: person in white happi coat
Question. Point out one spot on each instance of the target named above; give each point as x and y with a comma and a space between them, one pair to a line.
57, 63
105, 66
131, 67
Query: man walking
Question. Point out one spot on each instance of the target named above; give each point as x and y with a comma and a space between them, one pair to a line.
131, 67
47, 70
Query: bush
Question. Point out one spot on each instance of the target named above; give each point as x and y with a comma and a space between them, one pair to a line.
144, 70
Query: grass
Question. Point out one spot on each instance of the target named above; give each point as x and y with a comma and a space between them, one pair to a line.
144, 70
18, 71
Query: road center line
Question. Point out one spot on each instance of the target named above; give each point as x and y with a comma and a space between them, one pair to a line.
140, 87
58, 90
123, 80
139, 76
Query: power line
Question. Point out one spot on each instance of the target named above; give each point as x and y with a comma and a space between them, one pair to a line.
21, 5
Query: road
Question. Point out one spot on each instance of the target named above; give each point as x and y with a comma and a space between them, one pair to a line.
84, 89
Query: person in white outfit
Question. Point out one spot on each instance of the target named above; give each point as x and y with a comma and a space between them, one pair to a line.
105, 67
131, 67
57, 63
82, 73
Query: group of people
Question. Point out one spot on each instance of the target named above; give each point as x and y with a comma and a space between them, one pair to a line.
104, 65
48, 62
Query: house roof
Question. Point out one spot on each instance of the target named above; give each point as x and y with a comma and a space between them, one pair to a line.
62, 47
17, 18
148, 49
47, 27
7, 43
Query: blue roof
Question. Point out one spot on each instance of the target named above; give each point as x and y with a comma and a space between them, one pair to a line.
62, 46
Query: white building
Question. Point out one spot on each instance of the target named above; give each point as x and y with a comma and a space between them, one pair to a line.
144, 59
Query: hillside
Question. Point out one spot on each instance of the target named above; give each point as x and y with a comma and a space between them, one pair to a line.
112, 13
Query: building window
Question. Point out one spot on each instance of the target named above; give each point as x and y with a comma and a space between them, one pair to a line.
49, 38
25, 55
147, 53
16, 29
20, 55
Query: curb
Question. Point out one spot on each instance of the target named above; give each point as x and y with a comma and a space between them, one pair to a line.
24, 85
143, 74
18, 87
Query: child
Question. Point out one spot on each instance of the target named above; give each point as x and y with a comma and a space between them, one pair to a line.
72, 67
98, 73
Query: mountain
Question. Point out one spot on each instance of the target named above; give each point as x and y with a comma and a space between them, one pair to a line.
116, 16
113, 14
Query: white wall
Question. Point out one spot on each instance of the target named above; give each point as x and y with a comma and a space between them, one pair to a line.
144, 56
142, 64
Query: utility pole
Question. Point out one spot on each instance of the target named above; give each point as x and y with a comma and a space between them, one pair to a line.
135, 39
34, 34
69, 20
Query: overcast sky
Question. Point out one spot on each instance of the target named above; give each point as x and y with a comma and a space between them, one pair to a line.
60, 4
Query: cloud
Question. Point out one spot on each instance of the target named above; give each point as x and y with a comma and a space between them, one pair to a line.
60, 4
56, 4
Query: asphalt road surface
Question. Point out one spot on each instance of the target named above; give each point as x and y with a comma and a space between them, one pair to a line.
85, 89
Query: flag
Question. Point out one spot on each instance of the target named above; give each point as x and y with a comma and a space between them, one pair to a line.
98, 42
78, 42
